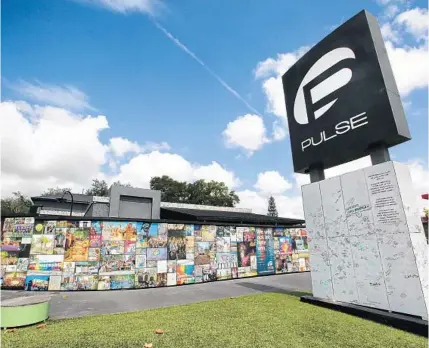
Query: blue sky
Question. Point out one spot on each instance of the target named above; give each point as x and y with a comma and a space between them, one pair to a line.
121, 65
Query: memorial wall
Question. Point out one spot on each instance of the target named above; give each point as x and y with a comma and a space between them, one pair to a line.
366, 239
106, 255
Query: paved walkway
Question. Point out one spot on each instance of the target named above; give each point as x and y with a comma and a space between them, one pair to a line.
77, 304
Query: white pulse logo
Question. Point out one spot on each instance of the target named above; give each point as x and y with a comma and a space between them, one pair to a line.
324, 88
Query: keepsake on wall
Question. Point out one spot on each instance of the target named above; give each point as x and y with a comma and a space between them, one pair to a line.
366, 239
104, 255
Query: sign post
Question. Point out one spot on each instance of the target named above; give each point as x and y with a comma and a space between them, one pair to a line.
366, 240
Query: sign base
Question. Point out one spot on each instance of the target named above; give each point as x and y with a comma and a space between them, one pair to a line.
366, 240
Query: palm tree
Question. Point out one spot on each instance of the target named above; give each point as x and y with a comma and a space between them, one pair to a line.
43, 241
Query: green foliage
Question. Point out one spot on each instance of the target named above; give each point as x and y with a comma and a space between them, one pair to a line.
265, 321
16, 204
199, 192
272, 209
100, 188
54, 191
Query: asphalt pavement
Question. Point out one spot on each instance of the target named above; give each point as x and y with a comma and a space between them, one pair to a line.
81, 303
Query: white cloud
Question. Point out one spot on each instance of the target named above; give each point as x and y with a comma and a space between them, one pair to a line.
121, 146
272, 183
415, 22
290, 207
410, 67
389, 33
419, 175
279, 131
126, 6
48, 146
66, 96
141, 168
216, 172
279, 65
247, 132
391, 10
151, 146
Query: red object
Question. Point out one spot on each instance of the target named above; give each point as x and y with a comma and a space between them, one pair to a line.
425, 196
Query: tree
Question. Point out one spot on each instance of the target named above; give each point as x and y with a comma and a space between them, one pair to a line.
100, 188
171, 190
200, 192
54, 191
272, 209
16, 204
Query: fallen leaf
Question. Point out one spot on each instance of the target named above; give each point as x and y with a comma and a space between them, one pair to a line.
65, 297
41, 326
147, 345
11, 330
159, 332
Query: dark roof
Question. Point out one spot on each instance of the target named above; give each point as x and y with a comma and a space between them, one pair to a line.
77, 198
225, 216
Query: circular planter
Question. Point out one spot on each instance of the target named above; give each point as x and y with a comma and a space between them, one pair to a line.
24, 311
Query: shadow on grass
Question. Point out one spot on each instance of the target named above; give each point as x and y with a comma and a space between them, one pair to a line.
273, 289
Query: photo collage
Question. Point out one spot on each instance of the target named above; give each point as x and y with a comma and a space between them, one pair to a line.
38, 255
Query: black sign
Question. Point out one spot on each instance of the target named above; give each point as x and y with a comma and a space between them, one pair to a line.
342, 98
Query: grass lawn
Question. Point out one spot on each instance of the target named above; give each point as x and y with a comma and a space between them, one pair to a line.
266, 320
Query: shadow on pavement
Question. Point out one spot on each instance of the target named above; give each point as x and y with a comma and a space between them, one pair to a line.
273, 289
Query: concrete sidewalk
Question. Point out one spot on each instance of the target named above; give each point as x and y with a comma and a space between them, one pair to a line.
77, 304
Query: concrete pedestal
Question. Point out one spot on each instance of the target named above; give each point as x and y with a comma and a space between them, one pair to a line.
366, 240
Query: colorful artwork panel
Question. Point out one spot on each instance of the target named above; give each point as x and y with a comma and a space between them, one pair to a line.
10, 244
156, 254
8, 225
176, 242
223, 244
9, 258
189, 230
36, 282
42, 244
54, 283
171, 279
265, 251
208, 233
76, 244
87, 282
94, 254
87, 267
14, 280
158, 236
119, 231
114, 264
95, 240
146, 278
130, 247
283, 263
113, 247
22, 265
185, 272
140, 261
246, 250
96, 228
198, 233
203, 252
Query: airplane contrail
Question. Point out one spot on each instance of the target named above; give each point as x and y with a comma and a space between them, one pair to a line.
199, 61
